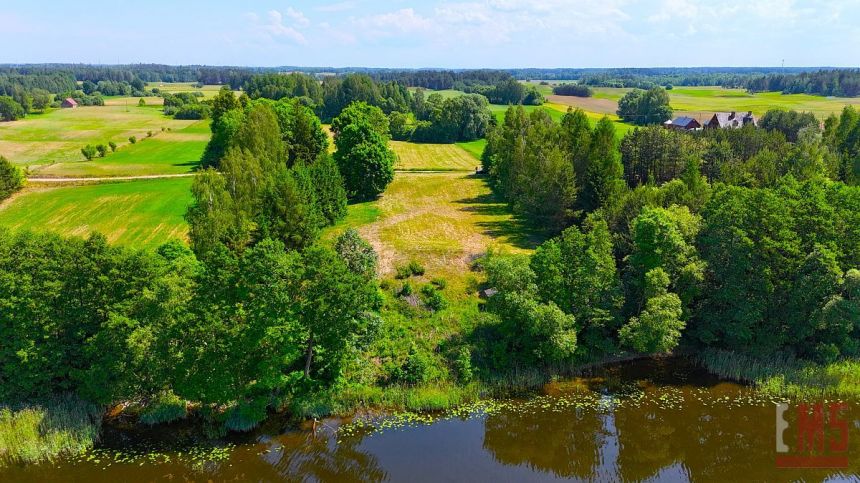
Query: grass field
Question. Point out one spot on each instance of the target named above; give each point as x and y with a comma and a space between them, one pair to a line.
209, 90
701, 102
142, 213
475, 148
169, 152
443, 220
432, 157
57, 136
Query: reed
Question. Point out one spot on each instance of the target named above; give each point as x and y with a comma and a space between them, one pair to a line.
43, 431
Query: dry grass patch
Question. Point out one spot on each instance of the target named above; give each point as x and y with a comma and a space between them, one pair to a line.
432, 157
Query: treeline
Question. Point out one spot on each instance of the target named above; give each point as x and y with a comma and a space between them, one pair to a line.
839, 83
254, 315
577, 90
443, 79
735, 239
410, 116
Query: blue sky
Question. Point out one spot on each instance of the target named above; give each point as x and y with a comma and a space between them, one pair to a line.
490, 33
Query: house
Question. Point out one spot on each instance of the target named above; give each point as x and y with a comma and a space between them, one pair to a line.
731, 120
682, 123
69, 103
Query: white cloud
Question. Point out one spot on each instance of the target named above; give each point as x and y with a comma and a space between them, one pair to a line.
272, 27
404, 20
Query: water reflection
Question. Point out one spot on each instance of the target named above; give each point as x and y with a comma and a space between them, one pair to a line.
651, 420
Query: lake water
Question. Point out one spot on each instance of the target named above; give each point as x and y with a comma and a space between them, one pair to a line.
653, 420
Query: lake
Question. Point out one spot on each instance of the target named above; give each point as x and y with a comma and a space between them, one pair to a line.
654, 420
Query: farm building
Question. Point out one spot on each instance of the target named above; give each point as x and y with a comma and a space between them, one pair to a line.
731, 120
69, 103
682, 123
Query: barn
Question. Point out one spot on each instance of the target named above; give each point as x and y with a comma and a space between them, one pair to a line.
69, 103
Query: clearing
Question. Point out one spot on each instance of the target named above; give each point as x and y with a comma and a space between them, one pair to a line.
143, 213
432, 157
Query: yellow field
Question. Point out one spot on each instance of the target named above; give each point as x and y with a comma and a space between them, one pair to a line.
432, 157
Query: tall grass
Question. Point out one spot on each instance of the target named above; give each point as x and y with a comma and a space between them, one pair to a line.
785, 376
35, 432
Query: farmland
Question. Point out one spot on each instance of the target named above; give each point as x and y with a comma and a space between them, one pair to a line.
143, 213
57, 136
700, 102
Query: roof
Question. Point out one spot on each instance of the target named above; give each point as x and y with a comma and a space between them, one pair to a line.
733, 119
71, 101
682, 121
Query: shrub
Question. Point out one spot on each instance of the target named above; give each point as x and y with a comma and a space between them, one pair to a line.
89, 151
440, 283
463, 365
402, 272
433, 299
102, 150
132, 139
165, 408
141, 102
405, 290
112, 146
357, 253
149, 134
415, 268
11, 178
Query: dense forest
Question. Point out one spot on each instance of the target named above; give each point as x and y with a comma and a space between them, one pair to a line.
735, 239
839, 83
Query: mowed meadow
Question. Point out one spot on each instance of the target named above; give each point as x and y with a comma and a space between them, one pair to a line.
140, 213
702, 102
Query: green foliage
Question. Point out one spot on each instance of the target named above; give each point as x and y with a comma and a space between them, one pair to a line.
361, 112
358, 255
460, 118
433, 298
658, 327
112, 146
362, 155
132, 139
11, 178
89, 151
645, 107
101, 149
164, 408
328, 185
789, 123
10, 109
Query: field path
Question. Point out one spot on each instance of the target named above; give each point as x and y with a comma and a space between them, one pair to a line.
37, 179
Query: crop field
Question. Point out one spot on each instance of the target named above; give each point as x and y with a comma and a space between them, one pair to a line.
432, 157
169, 152
58, 135
209, 90
143, 213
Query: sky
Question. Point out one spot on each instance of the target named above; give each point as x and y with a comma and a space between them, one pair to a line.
447, 34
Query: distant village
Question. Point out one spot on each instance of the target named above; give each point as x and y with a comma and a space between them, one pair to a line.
720, 120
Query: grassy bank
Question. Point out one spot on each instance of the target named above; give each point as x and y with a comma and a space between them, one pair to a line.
43, 431
784, 376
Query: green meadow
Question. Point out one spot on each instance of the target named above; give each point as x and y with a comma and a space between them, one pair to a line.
58, 135
142, 213
431, 157
168, 152
701, 101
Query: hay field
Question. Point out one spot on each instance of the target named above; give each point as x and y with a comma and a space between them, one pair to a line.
142, 213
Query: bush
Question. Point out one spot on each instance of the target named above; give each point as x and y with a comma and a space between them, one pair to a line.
440, 283
102, 150
193, 112
433, 298
406, 290
149, 134
112, 146
415, 268
463, 365
11, 178
89, 151
132, 139
141, 102
165, 408
357, 253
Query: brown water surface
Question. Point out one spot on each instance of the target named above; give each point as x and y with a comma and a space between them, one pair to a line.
655, 420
